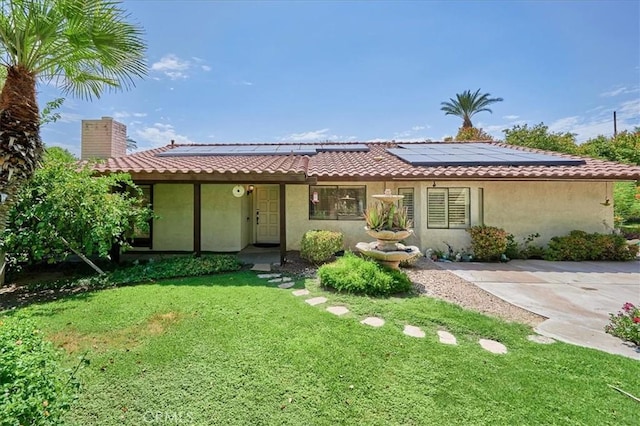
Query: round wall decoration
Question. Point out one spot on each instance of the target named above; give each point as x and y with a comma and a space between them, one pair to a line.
238, 191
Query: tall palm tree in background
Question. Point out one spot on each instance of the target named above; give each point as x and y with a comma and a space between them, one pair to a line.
467, 104
84, 47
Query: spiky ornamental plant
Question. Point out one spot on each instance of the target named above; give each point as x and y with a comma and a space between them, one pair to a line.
83, 46
467, 104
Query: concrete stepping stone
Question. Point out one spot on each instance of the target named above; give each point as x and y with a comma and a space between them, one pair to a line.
493, 346
373, 321
413, 331
287, 285
267, 276
316, 301
338, 310
447, 338
543, 340
281, 280
262, 267
302, 292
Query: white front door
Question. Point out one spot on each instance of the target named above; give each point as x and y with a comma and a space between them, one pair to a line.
267, 214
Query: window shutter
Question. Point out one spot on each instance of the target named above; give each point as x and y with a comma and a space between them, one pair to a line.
437, 208
407, 201
458, 207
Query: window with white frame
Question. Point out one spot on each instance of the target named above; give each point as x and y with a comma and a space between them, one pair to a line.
448, 208
407, 201
333, 202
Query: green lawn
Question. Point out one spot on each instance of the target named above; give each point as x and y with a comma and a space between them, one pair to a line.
231, 349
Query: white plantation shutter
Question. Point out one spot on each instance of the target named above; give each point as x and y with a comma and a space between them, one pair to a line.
458, 207
407, 201
448, 208
437, 208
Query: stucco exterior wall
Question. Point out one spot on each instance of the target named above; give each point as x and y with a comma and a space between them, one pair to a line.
173, 229
521, 208
223, 220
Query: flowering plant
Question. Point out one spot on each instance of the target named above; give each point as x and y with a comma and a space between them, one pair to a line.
625, 324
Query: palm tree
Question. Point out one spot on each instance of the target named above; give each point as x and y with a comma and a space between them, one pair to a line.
83, 46
467, 104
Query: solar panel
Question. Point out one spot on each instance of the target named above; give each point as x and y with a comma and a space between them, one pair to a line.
259, 149
476, 154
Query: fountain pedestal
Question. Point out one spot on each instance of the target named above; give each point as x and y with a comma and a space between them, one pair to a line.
387, 248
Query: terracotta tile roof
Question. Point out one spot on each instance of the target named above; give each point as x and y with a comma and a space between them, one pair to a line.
149, 162
377, 163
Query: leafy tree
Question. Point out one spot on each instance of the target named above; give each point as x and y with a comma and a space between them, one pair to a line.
540, 137
470, 134
467, 104
84, 46
64, 202
624, 147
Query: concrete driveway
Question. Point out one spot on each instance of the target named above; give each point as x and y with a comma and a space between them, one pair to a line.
576, 297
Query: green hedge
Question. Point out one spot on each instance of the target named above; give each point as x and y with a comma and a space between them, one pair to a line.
580, 245
319, 246
353, 274
34, 388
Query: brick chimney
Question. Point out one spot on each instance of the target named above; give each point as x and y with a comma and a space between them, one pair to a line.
103, 138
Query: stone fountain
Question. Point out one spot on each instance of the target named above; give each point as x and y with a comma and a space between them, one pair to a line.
387, 248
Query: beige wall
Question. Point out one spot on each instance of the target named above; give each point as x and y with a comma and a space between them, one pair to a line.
522, 208
223, 218
173, 229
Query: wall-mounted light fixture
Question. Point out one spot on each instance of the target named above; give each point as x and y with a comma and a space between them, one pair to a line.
434, 184
250, 189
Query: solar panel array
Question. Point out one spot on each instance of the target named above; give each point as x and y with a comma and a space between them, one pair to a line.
257, 149
476, 154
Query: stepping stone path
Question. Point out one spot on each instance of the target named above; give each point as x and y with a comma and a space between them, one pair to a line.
413, 331
267, 276
280, 280
493, 346
263, 267
287, 285
543, 340
316, 301
373, 321
338, 310
447, 338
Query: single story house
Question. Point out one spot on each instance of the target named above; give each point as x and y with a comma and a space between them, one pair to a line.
223, 197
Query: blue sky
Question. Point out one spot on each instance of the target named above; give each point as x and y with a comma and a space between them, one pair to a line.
347, 71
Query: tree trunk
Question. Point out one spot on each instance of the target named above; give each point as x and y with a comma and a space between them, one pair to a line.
20, 144
466, 123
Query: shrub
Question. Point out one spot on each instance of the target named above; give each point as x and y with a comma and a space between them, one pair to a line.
524, 250
626, 324
34, 389
353, 274
174, 267
488, 243
319, 246
580, 245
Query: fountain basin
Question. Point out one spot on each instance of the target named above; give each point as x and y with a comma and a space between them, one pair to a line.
391, 258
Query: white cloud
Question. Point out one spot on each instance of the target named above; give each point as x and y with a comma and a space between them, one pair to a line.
312, 136
159, 134
511, 117
411, 133
622, 90
205, 67
242, 83
172, 66
69, 117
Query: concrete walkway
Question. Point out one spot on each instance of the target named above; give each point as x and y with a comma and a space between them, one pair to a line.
576, 297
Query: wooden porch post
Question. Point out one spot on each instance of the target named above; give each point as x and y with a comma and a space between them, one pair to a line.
283, 223
197, 225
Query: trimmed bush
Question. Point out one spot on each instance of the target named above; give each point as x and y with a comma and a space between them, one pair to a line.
34, 389
488, 243
580, 245
319, 246
353, 274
